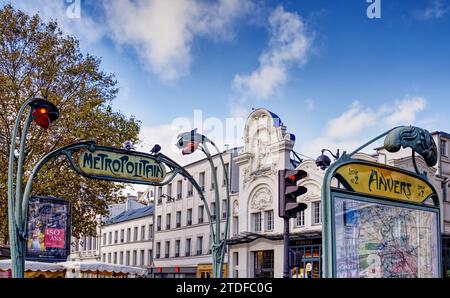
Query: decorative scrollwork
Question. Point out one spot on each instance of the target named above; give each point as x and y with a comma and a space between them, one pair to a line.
418, 139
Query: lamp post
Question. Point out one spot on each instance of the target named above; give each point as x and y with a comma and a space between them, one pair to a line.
323, 161
43, 113
189, 142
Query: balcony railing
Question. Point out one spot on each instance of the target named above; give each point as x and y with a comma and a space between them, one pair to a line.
177, 254
224, 215
178, 224
188, 254
158, 228
157, 256
199, 252
166, 255
179, 196
200, 220
189, 222
168, 227
190, 193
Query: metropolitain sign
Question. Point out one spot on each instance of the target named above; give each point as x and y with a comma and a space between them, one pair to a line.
121, 167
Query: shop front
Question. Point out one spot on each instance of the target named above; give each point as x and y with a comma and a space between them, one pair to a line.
305, 258
175, 272
206, 271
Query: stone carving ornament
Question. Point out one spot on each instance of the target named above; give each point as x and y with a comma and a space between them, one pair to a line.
262, 199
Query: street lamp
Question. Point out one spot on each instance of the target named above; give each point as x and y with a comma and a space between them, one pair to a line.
323, 161
189, 142
43, 113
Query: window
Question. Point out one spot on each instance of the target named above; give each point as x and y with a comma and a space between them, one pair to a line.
224, 209
158, 250
179, 189
317, 213
236, 264
444, 148
121, 258
300, 219
150, 232
109, 238
134, 257
256, 222
142, 263
190, 189
135, 236
178, 219
202, 180
158, 223
188, 247
189, 217
263, 264
169, 193
235, 225
149, 257
200, 214
122, 236
128, 234
128, 258
159, 195
104, 238
116, 236
109, 257
115, 258
168, 220
167, 251
212, 178
268, 219
213, 210
177, 248
142, 233
227, 168
199, 245
104, 258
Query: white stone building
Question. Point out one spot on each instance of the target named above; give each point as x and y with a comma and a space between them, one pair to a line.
87, 248
127, 239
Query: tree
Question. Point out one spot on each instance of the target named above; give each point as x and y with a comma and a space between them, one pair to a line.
38, 60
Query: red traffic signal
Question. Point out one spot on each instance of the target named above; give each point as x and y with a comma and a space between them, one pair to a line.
289, 191
189, 148
44, 112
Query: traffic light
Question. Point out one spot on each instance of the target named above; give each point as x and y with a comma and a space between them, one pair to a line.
289, 191
44, 112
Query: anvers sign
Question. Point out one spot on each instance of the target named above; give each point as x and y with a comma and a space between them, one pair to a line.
121, 166
385, 182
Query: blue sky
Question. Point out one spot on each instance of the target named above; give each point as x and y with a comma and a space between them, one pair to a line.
334, 76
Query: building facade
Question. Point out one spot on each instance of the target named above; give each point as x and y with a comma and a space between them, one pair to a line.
127, 239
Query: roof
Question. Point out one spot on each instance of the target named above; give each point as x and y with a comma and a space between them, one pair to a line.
441, 133
131, 214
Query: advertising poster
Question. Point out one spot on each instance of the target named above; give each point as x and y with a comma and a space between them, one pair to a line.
49, 229
380, 241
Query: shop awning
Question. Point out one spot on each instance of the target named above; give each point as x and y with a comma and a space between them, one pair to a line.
103, 267
5, 265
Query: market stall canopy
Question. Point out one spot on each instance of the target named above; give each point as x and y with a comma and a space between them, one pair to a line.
5, 265
103, 267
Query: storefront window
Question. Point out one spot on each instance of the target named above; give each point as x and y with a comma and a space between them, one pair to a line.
263, 264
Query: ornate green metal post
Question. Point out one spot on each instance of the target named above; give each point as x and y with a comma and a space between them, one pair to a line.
189, 141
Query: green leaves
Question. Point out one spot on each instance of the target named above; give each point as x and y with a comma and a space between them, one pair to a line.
36, 59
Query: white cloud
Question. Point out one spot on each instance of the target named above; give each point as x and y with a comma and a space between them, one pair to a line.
406, 110
288, 46
359, 123
83, 28
162, 31
436, 9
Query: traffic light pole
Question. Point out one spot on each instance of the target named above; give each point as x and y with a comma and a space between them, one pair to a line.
286, 273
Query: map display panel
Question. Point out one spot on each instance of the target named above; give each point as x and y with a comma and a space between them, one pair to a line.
375, 240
